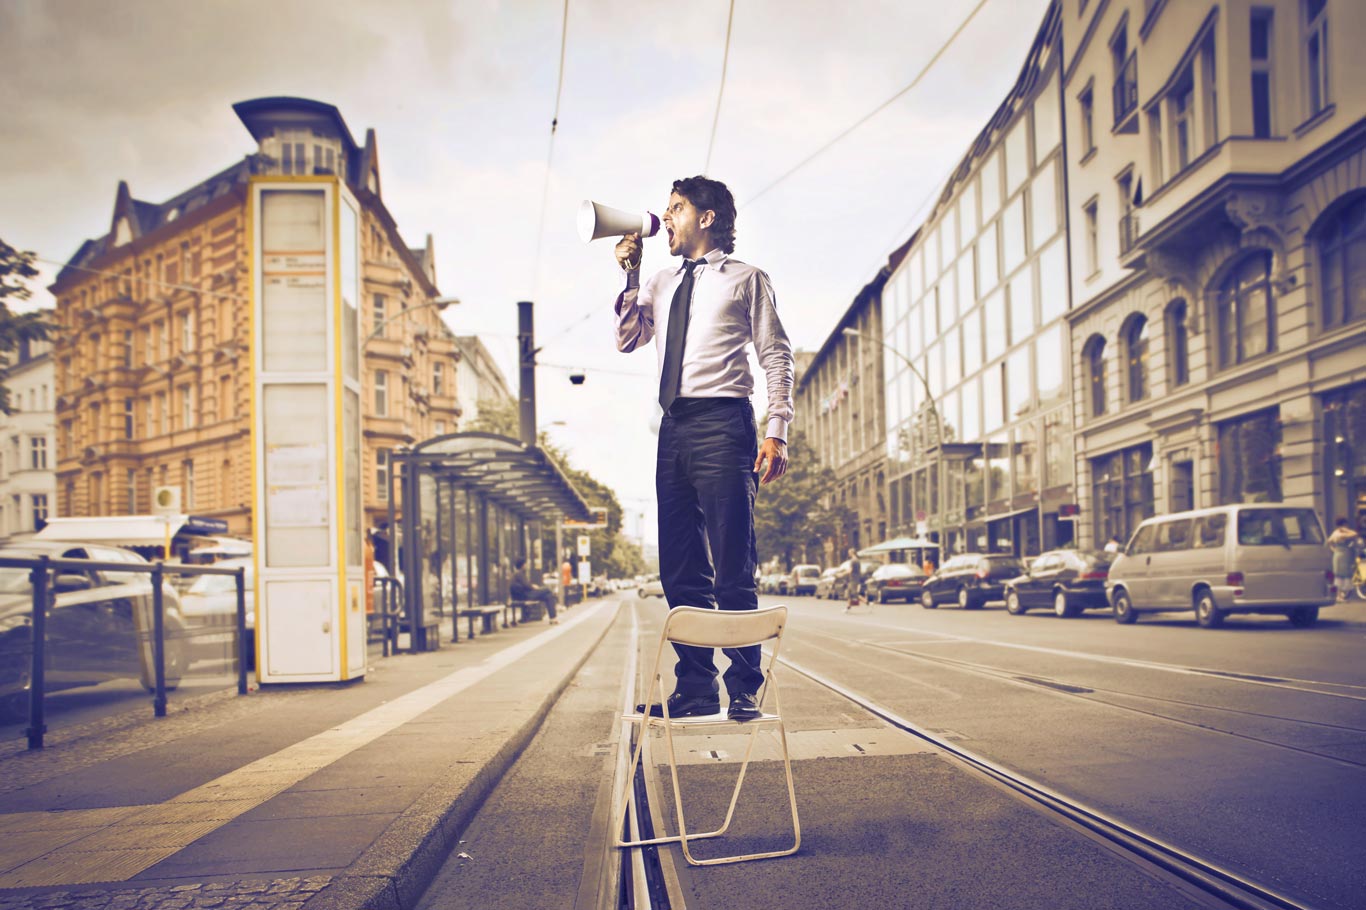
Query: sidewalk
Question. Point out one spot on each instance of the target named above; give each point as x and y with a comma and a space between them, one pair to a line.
339, 796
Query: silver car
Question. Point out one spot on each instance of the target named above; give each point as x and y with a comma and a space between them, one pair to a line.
1247, 558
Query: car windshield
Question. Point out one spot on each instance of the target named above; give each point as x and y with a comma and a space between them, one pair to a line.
14, 581
895, 569
1278, 527
1006, 562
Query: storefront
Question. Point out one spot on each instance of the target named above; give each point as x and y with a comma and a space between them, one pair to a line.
1344, 455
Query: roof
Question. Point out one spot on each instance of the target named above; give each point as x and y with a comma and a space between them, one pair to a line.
521, 478
127, 530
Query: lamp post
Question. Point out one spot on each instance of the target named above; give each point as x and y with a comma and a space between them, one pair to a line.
934, 412
439, 303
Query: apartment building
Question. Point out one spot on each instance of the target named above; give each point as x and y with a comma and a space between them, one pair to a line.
479, 379
1216, 170
151, 353
28, 483
975, 338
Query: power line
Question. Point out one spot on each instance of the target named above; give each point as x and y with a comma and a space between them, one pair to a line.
550, 150
720, 92
875, 111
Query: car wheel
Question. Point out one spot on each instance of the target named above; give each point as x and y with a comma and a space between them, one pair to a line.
1207, 613
882, 597
1125, 614
927, 600
640, 592
965, 599
1062, 607
1014, 606
1303, 617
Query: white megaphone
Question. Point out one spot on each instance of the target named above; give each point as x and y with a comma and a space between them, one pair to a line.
598, 220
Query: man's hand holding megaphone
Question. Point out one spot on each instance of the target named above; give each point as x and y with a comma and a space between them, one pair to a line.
629, 252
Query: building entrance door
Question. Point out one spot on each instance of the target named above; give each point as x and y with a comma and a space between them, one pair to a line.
1182, 489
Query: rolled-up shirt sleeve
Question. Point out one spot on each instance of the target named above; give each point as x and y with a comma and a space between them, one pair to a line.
635, 315
775, 355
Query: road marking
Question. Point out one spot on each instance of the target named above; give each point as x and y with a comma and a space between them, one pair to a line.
80, 846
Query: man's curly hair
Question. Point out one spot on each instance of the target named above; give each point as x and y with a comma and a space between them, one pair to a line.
707, 194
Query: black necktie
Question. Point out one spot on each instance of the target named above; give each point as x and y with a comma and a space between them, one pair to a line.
672, 372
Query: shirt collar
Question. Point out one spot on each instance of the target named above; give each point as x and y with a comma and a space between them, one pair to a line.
715, 258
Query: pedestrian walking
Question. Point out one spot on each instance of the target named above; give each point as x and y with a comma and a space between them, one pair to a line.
855, 580
1346, 545
702, 315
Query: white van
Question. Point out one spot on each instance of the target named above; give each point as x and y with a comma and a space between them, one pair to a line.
1247, 558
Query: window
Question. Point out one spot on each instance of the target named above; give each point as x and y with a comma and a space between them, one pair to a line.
1043, 206
1245, 311
131, 481
187, 418
1209, 531
1125, 62
381, 393
1094, 355
38, 453
1091, 214
1017, 155
988, 265
1047, 129
382, 473
378, 327
163, 413
186, 332
991, 185
1183, 128
1128, 223
147, 346
1249, 458
1209, 89
1136, 356
128, 418
128, 348
1178, 344
1122, 490
1316, 54
163, 340
1013, 235
38, 503
437, 376
187, 466
1342, 259
1086, 105
1260, 63
1155, 152
1021, 306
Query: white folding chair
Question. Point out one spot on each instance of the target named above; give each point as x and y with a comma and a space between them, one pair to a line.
707, 628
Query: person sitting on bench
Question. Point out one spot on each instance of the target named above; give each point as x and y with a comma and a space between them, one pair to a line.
522, 589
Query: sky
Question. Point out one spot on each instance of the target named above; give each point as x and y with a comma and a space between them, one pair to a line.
462, 96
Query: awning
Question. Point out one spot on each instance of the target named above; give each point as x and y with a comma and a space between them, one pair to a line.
1002, 516
128, 530
223, 546
521, 478
899, 543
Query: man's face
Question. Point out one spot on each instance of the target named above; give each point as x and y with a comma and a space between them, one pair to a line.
686, 227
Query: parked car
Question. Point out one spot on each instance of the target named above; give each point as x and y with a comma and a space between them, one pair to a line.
98, 627
970, 580
805, 579
1069, 581
209, 606
825, 585
895, 581
651, 587
1246, 558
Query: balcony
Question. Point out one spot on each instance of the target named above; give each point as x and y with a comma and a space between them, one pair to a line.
1125, 96
1128, 233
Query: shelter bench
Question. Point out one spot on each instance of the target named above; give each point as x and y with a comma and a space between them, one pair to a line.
487, 615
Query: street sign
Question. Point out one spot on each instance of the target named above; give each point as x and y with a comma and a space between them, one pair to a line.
585, 542
598, 521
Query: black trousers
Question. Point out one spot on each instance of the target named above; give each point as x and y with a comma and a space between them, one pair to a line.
544, 595
705, 481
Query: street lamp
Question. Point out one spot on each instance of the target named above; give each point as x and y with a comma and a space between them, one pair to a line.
440, 303
934, 412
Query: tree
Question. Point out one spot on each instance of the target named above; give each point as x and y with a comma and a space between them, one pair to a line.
496, 416
16, 269
790, 517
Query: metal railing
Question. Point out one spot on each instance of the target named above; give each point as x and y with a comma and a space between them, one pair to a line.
44, 588
1126, 89
390, 611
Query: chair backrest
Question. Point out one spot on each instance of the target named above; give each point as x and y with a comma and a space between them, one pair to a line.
708, 628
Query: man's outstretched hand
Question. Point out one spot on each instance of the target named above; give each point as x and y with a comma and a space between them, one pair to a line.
774, 451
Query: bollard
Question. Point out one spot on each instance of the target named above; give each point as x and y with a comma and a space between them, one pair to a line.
241, 631
38, 578
158, 642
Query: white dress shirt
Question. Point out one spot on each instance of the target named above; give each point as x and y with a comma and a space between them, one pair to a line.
732, 306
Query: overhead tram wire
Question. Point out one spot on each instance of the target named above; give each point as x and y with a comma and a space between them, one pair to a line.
943, 48
550, 152
721, 91
818, 152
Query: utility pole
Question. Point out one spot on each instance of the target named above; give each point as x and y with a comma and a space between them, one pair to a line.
526, 377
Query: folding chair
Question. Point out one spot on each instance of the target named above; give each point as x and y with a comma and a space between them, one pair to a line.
712, 629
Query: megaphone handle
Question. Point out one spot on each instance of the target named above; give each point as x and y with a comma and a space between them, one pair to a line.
631, 266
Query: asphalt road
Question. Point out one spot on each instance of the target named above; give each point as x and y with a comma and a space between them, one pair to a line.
1244, 745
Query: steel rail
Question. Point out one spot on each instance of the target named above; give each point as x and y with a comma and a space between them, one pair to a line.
1206, 875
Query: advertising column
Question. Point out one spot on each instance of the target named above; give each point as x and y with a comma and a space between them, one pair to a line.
306, 511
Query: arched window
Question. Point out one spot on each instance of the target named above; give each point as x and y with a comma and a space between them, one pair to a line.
1094, 355
1136, 356
1178, 344
1342, 258
1246, 311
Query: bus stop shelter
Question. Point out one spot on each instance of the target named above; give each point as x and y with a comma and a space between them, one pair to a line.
472, 504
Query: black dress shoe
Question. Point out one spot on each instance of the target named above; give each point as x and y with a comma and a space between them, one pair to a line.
744, 707
681, 705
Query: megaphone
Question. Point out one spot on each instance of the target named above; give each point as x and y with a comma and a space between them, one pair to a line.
598, 220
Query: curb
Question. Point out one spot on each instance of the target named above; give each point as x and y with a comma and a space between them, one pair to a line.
396, 869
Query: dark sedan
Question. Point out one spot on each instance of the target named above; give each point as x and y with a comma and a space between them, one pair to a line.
1068, 581
895, 581
970, 580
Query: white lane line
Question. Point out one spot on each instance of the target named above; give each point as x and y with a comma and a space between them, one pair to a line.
149, 836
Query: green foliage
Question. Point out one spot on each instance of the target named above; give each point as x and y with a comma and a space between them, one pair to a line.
496, 416
790, 520
16, 270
